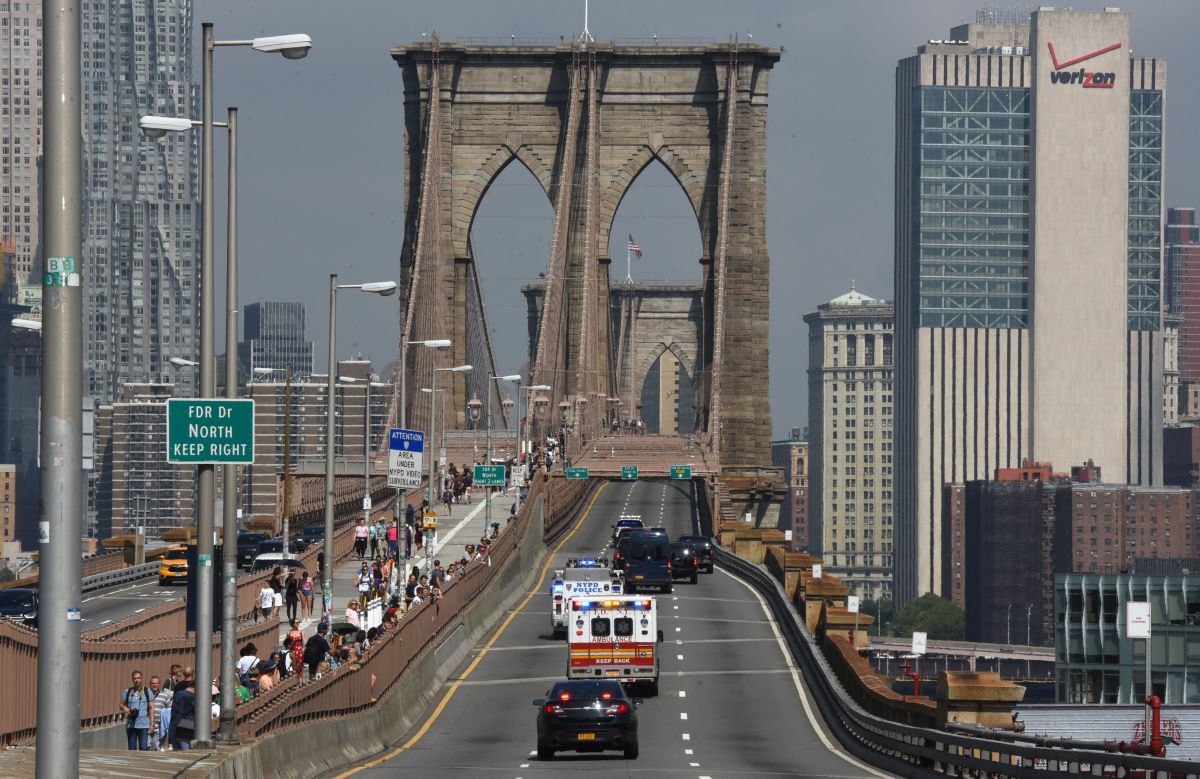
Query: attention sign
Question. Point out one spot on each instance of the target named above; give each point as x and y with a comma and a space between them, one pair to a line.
406, 450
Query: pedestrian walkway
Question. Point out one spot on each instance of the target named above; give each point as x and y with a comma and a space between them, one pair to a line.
466, 524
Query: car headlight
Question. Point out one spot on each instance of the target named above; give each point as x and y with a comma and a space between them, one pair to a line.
31, 615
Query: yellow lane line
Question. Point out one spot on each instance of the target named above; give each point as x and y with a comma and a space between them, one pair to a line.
437, 712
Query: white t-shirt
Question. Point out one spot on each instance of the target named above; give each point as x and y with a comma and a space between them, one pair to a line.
244, 664
266, 597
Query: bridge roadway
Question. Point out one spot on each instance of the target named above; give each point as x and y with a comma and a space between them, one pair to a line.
729, 703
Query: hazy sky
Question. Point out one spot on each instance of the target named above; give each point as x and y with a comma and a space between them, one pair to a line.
321, 166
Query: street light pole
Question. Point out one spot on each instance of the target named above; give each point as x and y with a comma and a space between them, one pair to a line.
367, 451
384, 288
228, 721
60, 521
330, 389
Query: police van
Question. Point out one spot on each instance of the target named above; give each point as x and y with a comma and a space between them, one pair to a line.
614, 637
582, 576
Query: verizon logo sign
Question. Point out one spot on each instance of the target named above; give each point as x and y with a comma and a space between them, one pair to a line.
1082, 77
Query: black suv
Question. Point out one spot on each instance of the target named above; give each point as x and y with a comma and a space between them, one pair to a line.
646, 560
587, 716
20, 603
705, 553
683, 561
311, 534
247, 547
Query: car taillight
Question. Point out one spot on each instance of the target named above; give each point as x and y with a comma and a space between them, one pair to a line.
566, 696
552, 708
668, 565
606, 696
619, 708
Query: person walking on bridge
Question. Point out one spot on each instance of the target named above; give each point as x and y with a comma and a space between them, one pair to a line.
135, 705
360, 538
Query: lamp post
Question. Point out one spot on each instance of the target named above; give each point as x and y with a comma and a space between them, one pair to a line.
514, 377
291, 47
370, 381
383, 288
441, 344
434, 492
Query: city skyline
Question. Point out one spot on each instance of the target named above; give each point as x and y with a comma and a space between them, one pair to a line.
821, 173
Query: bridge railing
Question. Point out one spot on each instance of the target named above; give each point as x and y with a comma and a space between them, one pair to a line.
909, 750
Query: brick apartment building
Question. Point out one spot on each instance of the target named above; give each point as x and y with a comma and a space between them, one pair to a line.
1008, 537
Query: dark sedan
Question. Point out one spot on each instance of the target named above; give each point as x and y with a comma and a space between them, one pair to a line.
705, 553
587, 716
247, 547
311, 534
20, 603
683, 562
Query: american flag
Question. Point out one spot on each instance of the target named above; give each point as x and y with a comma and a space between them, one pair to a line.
634, 249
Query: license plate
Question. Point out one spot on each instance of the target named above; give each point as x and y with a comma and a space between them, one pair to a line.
639, 576
587, 737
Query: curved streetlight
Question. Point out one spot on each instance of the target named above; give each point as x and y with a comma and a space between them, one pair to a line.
382, 288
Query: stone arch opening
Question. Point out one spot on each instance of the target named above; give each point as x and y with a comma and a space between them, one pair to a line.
509, 244
658, 212
667, 401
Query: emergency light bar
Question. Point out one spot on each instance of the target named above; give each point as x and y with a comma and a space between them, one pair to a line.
585, 605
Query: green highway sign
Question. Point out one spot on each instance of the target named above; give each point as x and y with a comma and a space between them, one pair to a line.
577, 473
629, 473
489, 476
216, 432
681, 471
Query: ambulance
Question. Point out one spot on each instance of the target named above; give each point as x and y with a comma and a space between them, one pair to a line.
614, 637
582, 576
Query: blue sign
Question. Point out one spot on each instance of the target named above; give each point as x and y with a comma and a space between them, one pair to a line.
405, 455
406, 441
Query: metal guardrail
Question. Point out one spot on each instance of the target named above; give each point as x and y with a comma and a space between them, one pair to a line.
132, 573
924, 752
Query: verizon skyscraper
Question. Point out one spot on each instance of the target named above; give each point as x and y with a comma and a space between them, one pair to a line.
1028, 262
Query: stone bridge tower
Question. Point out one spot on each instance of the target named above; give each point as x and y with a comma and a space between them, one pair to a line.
585, 121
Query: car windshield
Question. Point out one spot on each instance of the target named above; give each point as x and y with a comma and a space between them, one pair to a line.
176, 553
584, 694
648, 549
251, 538
270, 546
699, 541
15, 599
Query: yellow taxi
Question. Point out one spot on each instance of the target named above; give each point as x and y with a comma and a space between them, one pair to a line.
173, 567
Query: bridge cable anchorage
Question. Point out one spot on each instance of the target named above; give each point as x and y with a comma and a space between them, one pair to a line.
721, 264
550, 361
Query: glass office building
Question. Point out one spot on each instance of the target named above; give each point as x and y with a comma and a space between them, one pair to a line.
1098, 663
1028, 261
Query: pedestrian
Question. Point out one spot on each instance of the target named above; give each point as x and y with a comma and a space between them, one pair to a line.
362, 580
268, 675
159, 701
409, 511
135, 705
447, 499
248, 658
418, 538
352, 613
381, 536
266, 601
393, 538
291, 595
438, 572
360, 538
306, 594
160, 712
183, 712
316, 649
373, 540
297, 637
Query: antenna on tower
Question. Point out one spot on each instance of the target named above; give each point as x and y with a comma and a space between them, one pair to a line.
585, 37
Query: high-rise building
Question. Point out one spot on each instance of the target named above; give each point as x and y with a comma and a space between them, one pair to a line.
274, 338
20, 143
1028, 216
8, 503
791, 454
850, 440
1171, 323
141, 195
1181, 289
297, 412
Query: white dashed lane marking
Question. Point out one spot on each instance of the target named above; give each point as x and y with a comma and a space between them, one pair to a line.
687, 736
682, 694
683, 715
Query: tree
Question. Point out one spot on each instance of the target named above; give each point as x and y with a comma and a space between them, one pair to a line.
882, 610
6, 575
931, 614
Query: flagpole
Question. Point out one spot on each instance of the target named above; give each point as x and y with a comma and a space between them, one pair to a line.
628, 267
